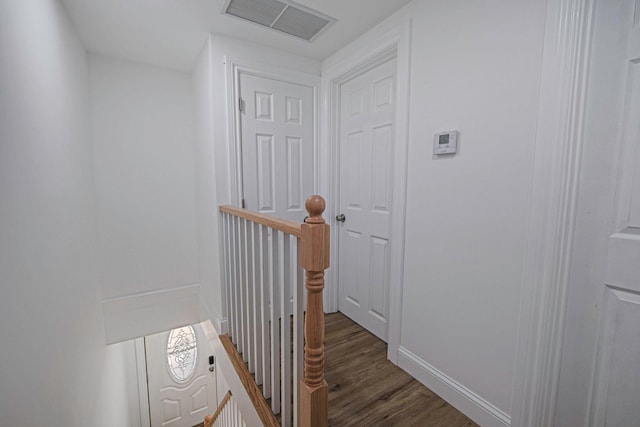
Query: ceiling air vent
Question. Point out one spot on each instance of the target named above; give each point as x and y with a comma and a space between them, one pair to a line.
287, 17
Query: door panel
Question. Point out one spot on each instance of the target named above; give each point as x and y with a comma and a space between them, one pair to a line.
381, 169
619, 392
617, 377
367, 113
294, 173
379, 252
633, 135
266, 173
277, 146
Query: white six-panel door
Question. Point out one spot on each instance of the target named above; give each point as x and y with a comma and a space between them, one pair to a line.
616, 397
366, 142
277, 146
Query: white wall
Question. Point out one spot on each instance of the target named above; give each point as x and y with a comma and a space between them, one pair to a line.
142, 129
206, 193
475, 67
52, 336
213, 156
118, 401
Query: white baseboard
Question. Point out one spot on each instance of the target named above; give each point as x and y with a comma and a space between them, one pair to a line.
466, 401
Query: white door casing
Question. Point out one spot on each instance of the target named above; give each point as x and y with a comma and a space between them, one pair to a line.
175, 404
551, 221
616, 390
366, 150
277, 145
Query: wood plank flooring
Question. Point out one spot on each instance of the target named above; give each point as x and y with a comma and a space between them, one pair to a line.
365, 389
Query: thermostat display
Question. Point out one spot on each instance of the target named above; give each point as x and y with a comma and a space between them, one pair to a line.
445, 143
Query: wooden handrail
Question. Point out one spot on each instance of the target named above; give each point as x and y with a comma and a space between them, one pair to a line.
314, 257
210, 419
284, 225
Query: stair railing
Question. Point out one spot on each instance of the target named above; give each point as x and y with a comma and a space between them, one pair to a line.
227, 414
264, 258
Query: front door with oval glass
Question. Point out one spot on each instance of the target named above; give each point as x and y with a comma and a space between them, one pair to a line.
181, 388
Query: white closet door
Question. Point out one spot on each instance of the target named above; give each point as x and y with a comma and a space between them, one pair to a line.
366, 150
277, 146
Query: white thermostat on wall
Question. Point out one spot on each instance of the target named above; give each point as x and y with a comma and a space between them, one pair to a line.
445, 143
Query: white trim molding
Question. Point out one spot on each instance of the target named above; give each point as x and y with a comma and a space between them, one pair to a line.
138, 315
551, 222
371, 52
143, 391
462, 398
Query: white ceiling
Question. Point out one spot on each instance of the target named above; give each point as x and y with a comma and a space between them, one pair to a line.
172, 32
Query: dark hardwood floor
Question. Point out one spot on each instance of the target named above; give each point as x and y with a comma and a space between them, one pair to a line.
365, 389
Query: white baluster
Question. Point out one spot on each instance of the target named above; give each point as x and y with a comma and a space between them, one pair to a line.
240, 286
250, 282
226, 245
274, 287
257, 316
235, 286
285, 312
298, 325
264, 310
243, 290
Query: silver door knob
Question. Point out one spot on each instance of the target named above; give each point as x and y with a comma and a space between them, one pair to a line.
341, 218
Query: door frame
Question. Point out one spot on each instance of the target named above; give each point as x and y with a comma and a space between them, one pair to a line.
393, 44
143, 387
234, 69
552, 214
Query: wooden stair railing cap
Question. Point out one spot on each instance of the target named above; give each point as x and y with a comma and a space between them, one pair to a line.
281, 224
315, 206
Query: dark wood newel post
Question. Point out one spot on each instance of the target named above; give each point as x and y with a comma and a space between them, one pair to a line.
314, 257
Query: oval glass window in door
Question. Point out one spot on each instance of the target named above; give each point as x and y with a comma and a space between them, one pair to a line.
182, 354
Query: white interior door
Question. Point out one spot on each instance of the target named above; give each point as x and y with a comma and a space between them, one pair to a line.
617, 390
277, 146
181, 388
366, 150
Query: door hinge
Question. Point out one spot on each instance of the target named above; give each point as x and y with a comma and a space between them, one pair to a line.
241, 105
